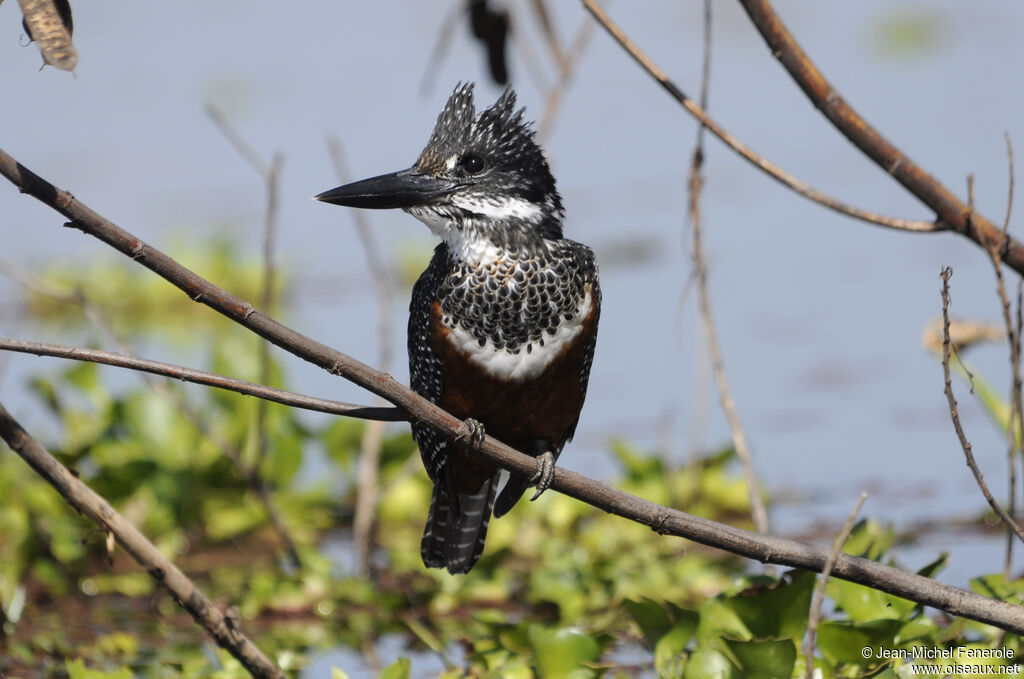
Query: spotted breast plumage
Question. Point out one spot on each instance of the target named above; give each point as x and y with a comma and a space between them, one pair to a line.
503, 322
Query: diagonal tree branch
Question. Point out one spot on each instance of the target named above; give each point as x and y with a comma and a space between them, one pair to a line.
223, 628
949, 210
760, 162
288, 398
664, 520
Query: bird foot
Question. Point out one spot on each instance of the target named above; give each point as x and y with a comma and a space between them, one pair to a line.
471, 431
545, 474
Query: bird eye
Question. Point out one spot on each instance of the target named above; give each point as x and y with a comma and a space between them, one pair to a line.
473, 163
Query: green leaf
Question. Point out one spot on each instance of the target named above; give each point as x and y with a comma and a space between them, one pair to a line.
338, 674
669, 658
932, 569
996, 586
561, 653
637, 465
397, 670
764, 659
870, 539
84, 376
903, 32
341, 440
650, 617
864, 604
226, 519
77, 670
920, 628
777, 609
717, 619
844, 642
707, 663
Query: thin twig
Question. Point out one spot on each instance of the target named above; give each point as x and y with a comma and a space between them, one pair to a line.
224, 630
774, 171
814, 617
705, 74
271, 176
950, 212
567, 68
665, 520
530, 60
1018, 329
955, 414
1015, 424
271, 181
243, 148
547, 29
444, 37
367, 489
1016, 417
1009, 190
739, 437
177, 372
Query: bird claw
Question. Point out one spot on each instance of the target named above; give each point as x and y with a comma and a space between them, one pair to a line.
471, 431
545, 474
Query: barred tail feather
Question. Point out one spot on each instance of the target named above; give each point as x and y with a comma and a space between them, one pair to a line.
456, 541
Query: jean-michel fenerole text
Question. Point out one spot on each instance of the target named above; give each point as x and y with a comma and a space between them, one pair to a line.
933, 653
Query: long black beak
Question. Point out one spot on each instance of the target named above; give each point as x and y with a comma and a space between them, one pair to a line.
407, 188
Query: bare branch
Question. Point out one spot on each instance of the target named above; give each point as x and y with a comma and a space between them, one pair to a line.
814, 617
271, 175
548, 31
705, 73
763, 164
1015, 422
224, 630
1016, 416
664, 520
950, 211
739, 437
955, 414
567, 68
367, 490
208, 379
271, 182
1009, 192
247, 152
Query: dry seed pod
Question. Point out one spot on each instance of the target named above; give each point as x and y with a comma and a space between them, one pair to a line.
49, 23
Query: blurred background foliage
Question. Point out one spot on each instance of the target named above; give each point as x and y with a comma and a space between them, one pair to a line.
563, 590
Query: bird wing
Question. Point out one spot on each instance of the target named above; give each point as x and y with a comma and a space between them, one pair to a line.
426, 371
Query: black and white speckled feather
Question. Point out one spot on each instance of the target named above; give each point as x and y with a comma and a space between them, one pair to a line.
513, 310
